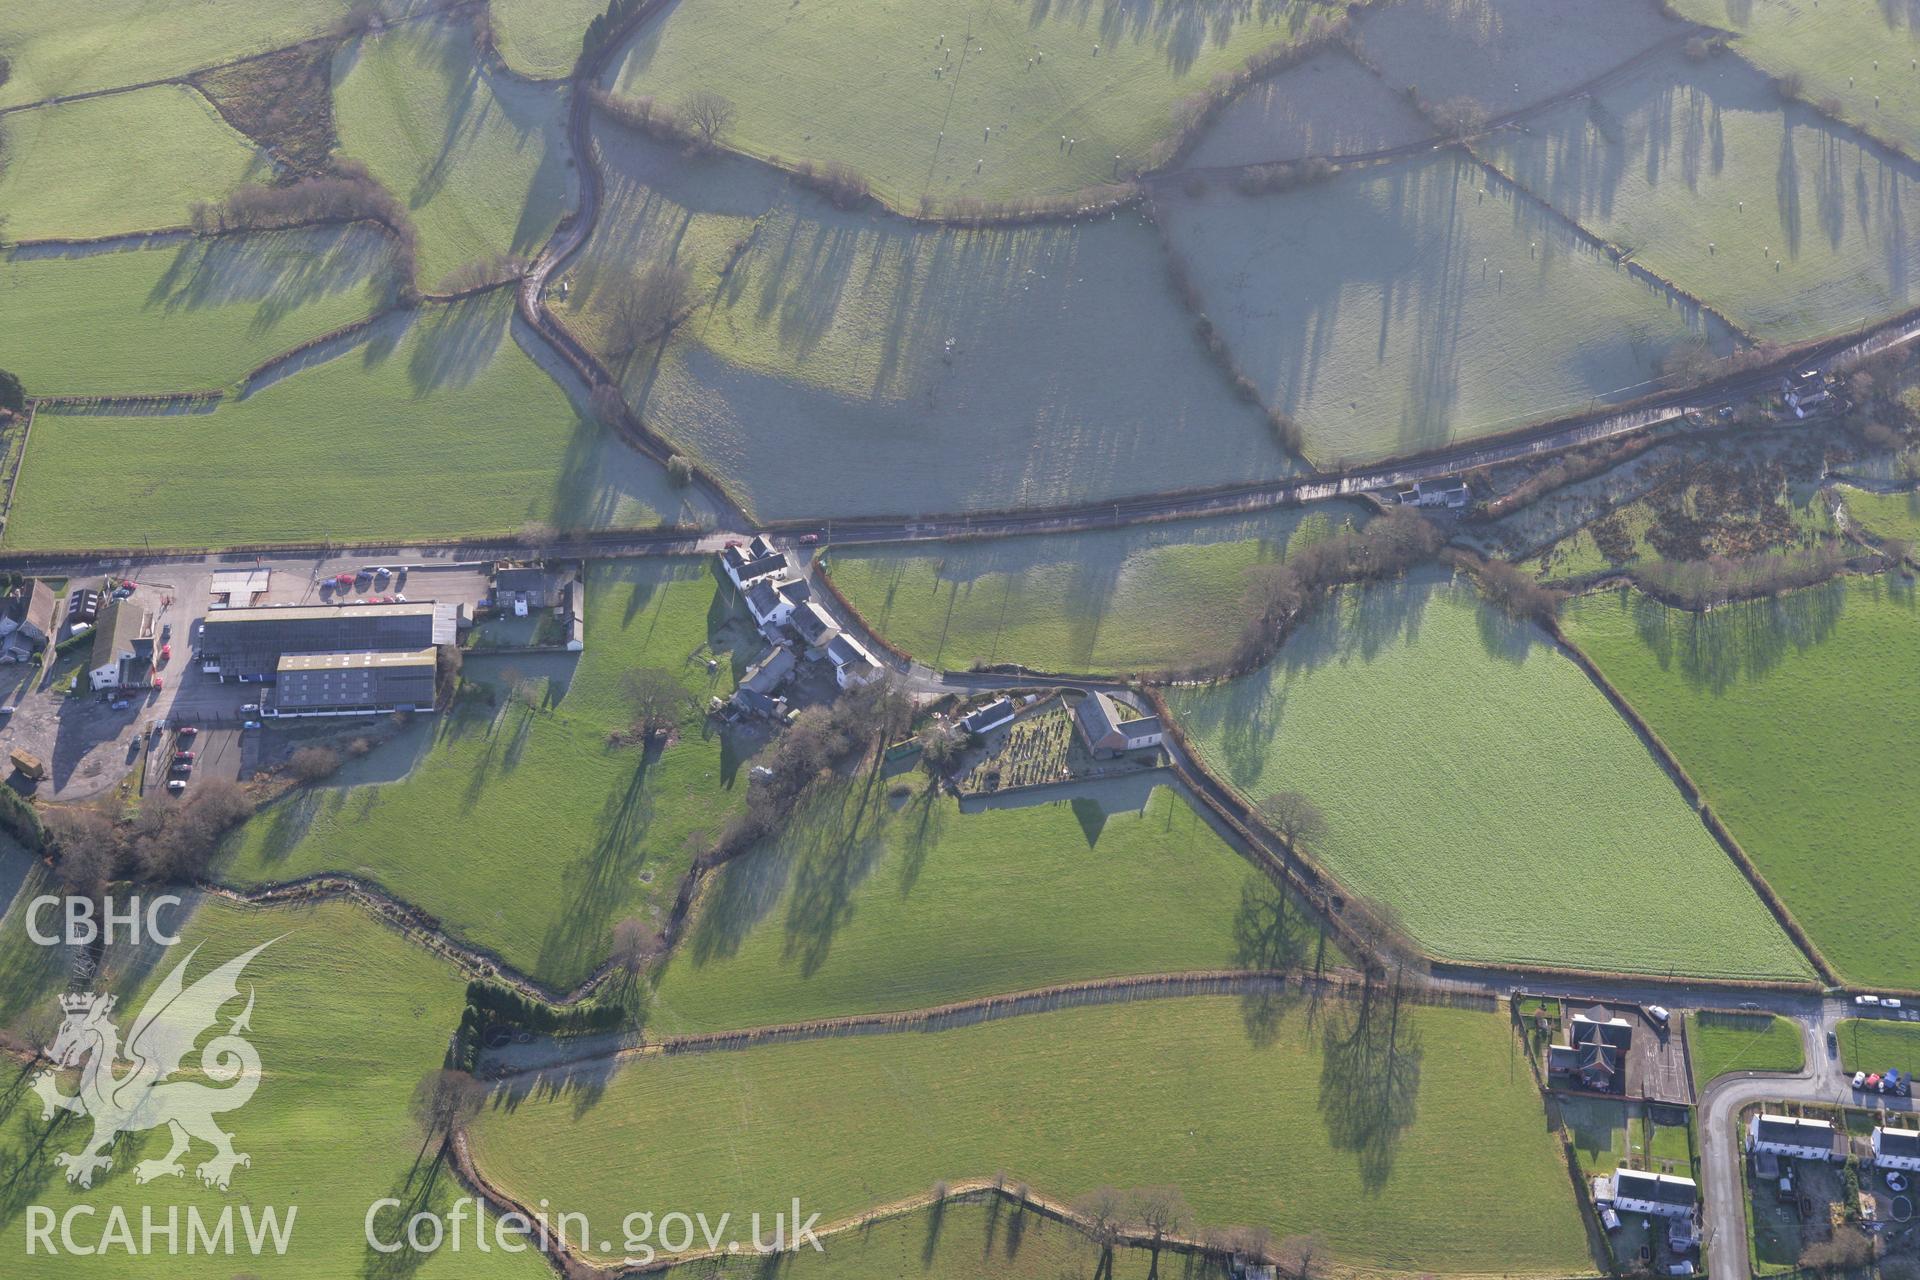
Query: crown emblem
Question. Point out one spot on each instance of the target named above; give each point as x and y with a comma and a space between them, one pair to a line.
84, 1002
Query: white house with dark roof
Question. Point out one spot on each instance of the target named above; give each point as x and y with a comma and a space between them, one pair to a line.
1896, 1148
853, 665
1797, 1137
772, 601
990, 717
1662, 1194
743, 568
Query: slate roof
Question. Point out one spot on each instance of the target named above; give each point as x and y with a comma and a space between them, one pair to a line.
1899, 1142
1660, 1188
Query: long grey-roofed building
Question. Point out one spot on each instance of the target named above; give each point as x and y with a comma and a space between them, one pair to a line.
357, 683
247, 644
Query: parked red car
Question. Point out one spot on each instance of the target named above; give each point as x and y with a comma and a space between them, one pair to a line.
187, 731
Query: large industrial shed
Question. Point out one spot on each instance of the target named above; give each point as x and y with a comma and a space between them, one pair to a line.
247, 644
352, 684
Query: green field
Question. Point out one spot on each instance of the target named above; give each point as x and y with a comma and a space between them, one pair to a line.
437, 424
106, 166
347, 1019
478, 158
1327, 105
1505, 54
863, 906
541, 38
1723, 1042
1702, 173
1360, 1142
1825, 813
1393, 310
1885, 515
858, 84
181, 315
1861, 56
1874, 1044
1147, 598
1472, 777
852, 363
59, 48
521, 828
963, 1240
660, 206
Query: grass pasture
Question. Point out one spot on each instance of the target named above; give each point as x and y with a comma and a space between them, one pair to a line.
1373, 1162
1506, 54
479, 158
864, 905
520, 827
348, 1017
1797, 720
1860, 56
541, 38
181, 315
1084, 602
855, 363
1709, 179
1724, 1042
970, 1239
1327, 105
1473, 777
108, 166
1394, 310
436, 424
892, 87
660, 206
60, 49
1874, 1044
1885, 515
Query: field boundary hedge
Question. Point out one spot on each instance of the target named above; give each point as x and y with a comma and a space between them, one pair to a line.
162, 405
412, 923
1618, 254
19, 460
1690, 790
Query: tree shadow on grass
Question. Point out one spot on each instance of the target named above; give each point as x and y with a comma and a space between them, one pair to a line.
1271, 931
599, 884
1370, 1076
845, 840
1739, 642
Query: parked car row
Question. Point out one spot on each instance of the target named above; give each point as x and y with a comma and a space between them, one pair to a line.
1893, 1081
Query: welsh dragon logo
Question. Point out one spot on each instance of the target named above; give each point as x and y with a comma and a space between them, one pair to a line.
143, 1096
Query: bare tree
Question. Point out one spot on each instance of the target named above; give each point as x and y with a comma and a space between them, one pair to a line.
642, 307
1297, 819
707, 114
940, 746
311, 764
1160, 1211
633, 941
442, 1101
1100, 1209
88, 846
1301, 1258
658, 699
